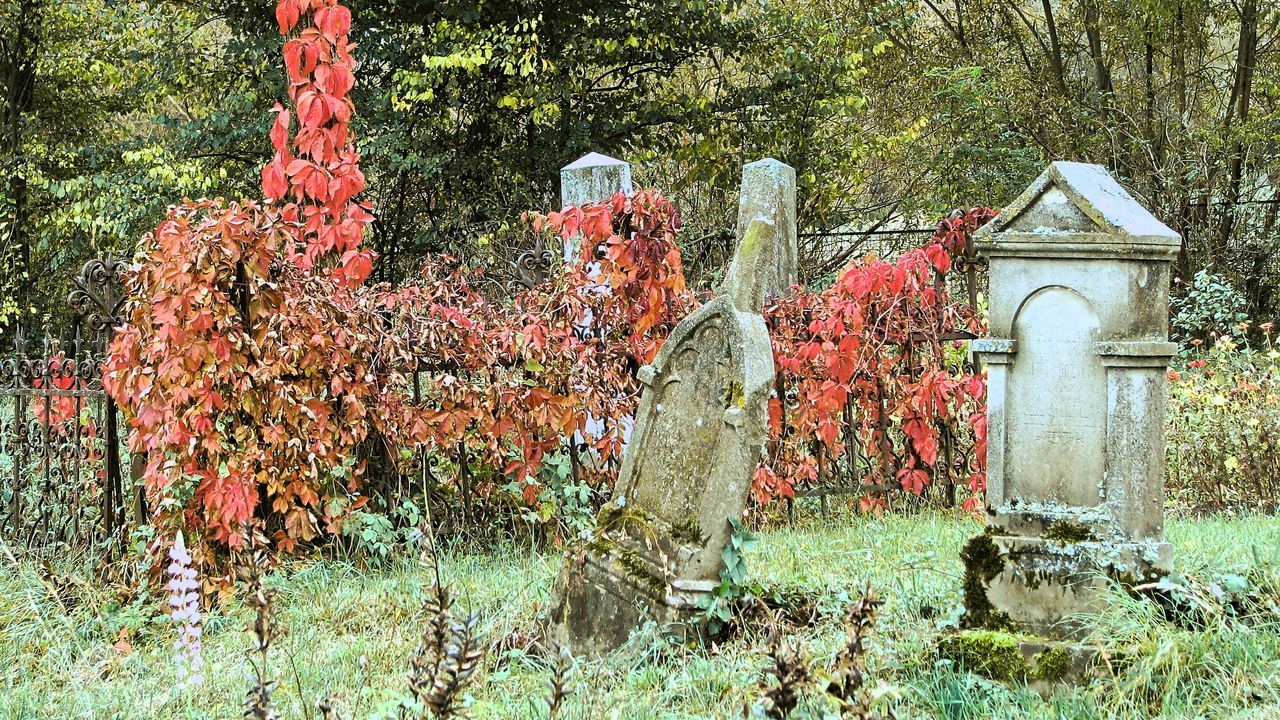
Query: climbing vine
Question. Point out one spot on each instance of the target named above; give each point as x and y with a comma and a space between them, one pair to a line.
261, 375
873, 386
253, 363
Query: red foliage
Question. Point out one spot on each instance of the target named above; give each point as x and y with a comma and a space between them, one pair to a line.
874, 385
255, 364
316, 172
509, 383
249, 380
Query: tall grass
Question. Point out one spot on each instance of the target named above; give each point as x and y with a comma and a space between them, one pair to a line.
74, 649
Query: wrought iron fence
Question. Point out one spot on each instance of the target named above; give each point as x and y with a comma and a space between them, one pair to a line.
61, 476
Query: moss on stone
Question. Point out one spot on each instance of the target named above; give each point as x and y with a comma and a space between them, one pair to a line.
612, 517
734, 395
990, 653
982, 563
600, 546
608, 514
687, 530
1052, 664
1067, 532
639, 570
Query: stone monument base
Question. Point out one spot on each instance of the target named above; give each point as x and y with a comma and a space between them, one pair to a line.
1014, 658
1038, 584
596, 605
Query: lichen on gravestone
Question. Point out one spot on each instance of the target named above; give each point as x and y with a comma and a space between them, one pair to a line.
1079, 280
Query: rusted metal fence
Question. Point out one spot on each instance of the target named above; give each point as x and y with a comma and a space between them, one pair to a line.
62, 482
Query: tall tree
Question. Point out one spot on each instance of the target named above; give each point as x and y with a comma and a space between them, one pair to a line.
90, 91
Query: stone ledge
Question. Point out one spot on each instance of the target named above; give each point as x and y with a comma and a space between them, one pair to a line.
1041, 664
1136, 348
1135, 353
596, 606
1125, 557
993, 346
1073, 245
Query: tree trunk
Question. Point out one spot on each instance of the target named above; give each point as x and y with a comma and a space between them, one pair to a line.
1241, 92
1055, 48
1101, 74
20, 52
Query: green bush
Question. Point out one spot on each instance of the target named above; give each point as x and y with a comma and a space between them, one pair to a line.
1211, 306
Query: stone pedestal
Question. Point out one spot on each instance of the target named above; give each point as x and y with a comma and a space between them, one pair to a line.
1076, 368
592, 178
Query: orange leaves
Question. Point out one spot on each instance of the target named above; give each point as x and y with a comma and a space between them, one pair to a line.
280, 129
274, 183
511, 383
287, 14
866, 368
354, 268
236, 357
334, 21
315, 172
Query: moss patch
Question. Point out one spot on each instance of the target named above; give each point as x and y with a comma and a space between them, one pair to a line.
600, 546
612, 517
639, 570
1052, 664
998, 655
982, 563
990, 653
687, 531
1067, 532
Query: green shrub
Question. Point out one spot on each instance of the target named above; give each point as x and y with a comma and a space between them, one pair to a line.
1211, 306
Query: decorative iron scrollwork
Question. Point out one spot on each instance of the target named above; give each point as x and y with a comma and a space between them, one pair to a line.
531, 267
61, 480
99, 293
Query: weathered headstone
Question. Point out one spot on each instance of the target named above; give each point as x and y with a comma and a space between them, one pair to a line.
700, 431
591, 178
769, 191
1076, 368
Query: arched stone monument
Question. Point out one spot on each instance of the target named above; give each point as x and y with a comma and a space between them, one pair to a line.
1076, 363
655, 553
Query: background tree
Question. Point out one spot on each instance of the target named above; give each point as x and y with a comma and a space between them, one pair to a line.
892, 112
1177, 97
93, 91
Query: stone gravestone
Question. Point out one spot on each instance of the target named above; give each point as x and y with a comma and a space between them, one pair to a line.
592, 178
700, 431
1076, 368
769, 190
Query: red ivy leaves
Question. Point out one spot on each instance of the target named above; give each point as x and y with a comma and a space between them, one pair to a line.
865, 364
316, 172
509, 383
248, 378
253, 361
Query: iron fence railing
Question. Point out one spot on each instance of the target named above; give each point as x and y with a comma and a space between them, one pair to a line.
62, 482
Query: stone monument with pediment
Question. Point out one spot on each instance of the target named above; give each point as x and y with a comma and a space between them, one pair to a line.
1076, 362
655, 553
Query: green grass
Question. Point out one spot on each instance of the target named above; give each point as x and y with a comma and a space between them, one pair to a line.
352, 631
